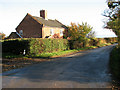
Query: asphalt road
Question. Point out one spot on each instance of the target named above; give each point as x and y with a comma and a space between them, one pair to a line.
86, 69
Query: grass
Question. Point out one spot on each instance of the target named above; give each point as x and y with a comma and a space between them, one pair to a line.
55, 54
10, 55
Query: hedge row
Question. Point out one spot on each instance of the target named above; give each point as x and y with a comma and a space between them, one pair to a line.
91, 42
34, 46
115, 62
15, 46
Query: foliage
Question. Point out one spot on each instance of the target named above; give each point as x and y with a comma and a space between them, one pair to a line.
113, 14
115, 62
34, 46
39, 47
16, 46
99, 42
2, 36
91, 34
79, 32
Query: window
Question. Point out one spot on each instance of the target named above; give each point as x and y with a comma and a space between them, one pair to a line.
61, 32
21, 32
51, 32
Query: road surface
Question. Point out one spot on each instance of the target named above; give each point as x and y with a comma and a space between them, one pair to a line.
86, 69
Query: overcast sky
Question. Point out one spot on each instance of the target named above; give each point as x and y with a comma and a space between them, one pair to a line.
66, 11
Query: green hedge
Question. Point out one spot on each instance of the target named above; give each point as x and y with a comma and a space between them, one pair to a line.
38, 46
115, 62
34, 46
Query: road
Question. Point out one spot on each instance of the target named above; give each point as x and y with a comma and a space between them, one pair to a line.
86, 69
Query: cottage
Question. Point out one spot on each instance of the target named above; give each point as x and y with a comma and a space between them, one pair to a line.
40, 27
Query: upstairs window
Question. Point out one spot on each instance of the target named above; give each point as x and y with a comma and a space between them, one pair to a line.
21, 32
51, 32
61, 32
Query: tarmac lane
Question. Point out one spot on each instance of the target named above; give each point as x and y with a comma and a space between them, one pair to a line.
86, 69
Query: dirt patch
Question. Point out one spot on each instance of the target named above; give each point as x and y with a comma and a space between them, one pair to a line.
8, 64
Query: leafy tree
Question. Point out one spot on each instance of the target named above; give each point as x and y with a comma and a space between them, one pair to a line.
79, 32
113, 13
91, 34
2, 36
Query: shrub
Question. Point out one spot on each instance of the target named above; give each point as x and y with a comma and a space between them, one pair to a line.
36, 46
77, 45
115, 62
15, 46
86, 42
111, 40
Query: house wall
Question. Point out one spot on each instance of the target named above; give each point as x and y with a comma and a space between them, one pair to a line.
31, 28
46, 32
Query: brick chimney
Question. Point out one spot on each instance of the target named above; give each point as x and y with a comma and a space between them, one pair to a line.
43, 14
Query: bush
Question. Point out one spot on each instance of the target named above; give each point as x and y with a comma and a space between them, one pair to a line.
86, 42
115, 62
111, 40
93, 42
77, 45
34, 46
15, 46
38, 46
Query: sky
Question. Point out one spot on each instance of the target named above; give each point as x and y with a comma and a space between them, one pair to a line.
12, 13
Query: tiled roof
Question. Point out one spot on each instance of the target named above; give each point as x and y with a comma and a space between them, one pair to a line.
49, 22
14, 35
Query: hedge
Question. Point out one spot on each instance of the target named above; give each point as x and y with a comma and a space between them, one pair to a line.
15, 46
34, 46
115, 62
92, 42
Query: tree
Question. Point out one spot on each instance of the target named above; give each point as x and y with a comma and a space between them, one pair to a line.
2, 36
113, 14
79, 32
91, 34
